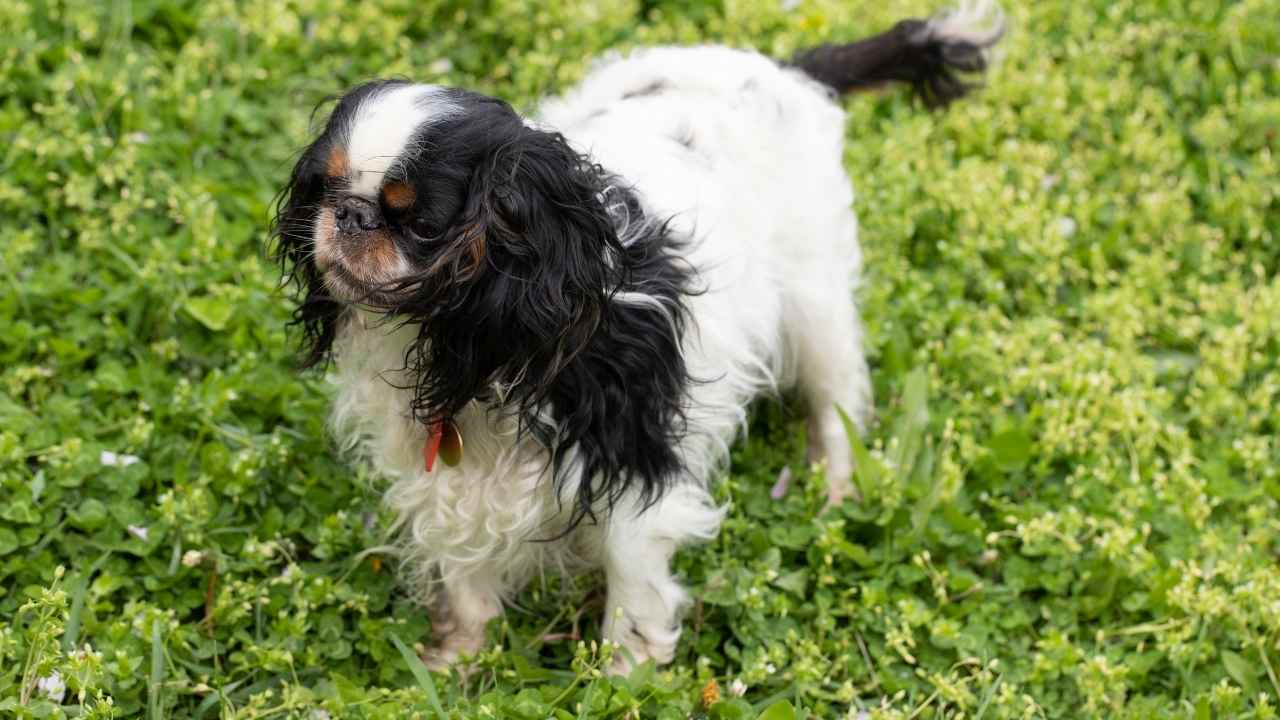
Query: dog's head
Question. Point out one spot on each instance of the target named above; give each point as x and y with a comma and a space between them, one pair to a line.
444, 208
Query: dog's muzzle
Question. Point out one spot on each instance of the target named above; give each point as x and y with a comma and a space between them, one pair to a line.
356, 215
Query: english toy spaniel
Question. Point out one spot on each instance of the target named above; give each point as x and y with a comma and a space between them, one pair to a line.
546, 331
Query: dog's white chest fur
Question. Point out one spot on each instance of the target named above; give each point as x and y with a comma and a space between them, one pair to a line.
479, 515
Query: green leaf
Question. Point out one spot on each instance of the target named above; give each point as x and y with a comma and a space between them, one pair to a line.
781, 710
792, 537
20, 511
915, 396
1204, 711
8, 541
526, 671
720, 587
867, 473
90, 515
212, 312
730, 709
1010, 448
1242, 671
913, 422
854, 552
71, 635
794, 582
923, 473
155, 708
642, 674
422, 674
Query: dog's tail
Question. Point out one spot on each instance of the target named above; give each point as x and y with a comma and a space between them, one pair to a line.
928, 54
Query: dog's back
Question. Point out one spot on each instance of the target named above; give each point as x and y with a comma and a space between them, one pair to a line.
744, 156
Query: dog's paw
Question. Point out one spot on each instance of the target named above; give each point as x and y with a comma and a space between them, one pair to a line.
830, 450
451, 645
840, 490
636, 649
438, 659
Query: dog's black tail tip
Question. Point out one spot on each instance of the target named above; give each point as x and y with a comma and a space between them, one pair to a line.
930, 55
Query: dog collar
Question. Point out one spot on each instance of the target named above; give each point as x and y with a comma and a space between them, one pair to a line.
444, 440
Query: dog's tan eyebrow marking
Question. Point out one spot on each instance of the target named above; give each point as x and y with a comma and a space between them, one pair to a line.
399, 195
338, 165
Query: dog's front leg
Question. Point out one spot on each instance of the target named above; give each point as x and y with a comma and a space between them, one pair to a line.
644, 603
645, 600
458, 620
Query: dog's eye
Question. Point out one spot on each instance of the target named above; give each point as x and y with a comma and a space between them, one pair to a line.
423, 229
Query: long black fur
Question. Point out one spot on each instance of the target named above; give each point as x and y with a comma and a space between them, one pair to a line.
515, 301
908, 53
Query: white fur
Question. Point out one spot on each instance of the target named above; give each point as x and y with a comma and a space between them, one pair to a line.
765, 199
978, 22
382, 127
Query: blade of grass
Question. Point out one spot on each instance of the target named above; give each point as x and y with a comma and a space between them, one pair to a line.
911, 424
214, 698
866, 472
420, 672
586, 702
923, 472
72, 634
157, 673
788, 693
987, 697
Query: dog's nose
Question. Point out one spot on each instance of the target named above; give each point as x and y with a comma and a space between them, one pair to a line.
356, 215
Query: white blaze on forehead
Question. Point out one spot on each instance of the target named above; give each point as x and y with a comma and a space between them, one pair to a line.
382, 127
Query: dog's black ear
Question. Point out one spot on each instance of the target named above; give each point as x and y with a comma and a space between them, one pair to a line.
291, 231
522, 279
548, 228
532, 312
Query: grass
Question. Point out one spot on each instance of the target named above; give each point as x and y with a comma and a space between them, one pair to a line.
1070, 499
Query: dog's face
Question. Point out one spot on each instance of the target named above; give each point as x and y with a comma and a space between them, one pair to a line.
378, 199
442, 207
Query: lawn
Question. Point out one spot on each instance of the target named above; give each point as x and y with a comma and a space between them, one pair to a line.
1072, 505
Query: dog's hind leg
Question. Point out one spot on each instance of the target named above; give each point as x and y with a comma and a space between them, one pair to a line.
825, 336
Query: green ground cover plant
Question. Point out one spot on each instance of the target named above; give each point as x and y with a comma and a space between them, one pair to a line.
1074, 322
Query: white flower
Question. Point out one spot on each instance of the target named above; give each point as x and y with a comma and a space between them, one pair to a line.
138, 531
737, 688
1066, 227
52, 687
111, 459
192, 558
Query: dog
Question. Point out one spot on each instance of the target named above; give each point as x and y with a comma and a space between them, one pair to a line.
545, 332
